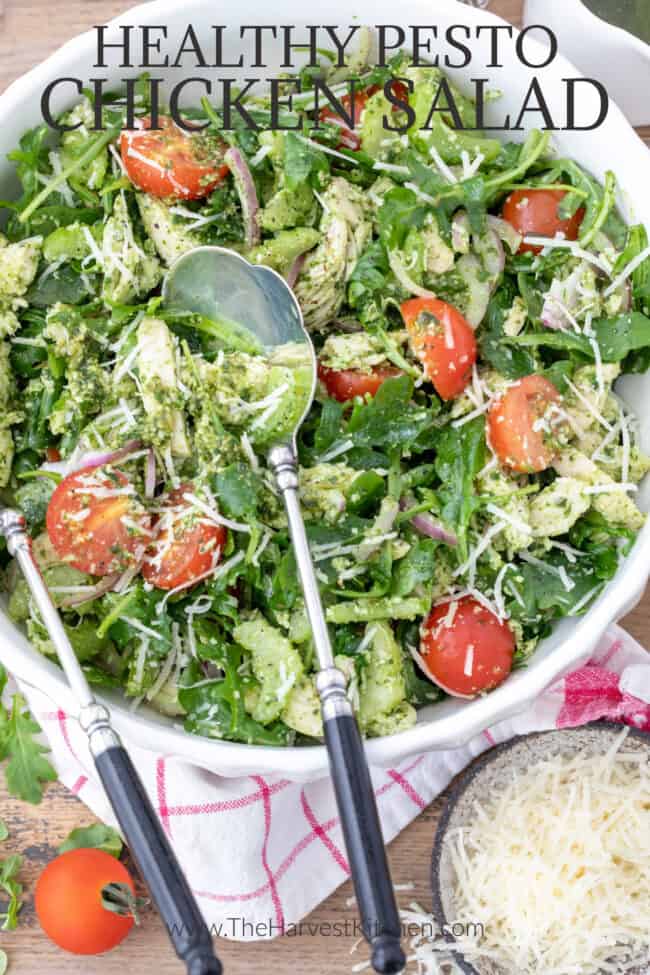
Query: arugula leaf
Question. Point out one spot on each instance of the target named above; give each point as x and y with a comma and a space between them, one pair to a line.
400, 211
4, 831
365, 491
558, 373
511, 362
621, 335
27, 769
417, 567
616, 337
593, 530
216, 709
371, 284
566, 341
460, 455
95, 837
543, 592
238, 489
329, 426
64, 284
390, 420
303, 163
9, 884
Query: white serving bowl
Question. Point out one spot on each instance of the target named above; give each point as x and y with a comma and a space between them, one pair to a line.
614, 145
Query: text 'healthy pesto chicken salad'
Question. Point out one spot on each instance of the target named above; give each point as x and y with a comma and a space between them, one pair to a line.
468, 473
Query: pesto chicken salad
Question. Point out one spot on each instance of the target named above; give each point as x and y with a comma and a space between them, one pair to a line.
468, 473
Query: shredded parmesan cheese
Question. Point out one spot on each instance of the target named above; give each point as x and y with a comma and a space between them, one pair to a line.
627, 270
551, 874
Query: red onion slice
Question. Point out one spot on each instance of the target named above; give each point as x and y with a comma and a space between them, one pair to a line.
294, 271
91, 459
247, 194
76, 599
506, 232
150, 475
113, 457
427, 526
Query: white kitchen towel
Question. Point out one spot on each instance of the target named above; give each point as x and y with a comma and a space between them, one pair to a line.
261, 852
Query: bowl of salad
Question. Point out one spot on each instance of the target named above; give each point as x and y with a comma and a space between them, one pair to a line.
473, 465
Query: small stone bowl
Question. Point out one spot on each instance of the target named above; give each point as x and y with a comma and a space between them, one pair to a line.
488, 775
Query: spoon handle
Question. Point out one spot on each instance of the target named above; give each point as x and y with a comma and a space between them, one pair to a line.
350, 774
140, 825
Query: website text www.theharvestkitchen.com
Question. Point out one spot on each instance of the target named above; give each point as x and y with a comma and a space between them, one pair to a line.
239, 927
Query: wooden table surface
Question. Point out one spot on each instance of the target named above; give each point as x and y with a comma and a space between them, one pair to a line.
29, 31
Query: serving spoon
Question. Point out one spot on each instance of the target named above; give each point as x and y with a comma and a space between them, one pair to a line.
221, 285
141, 827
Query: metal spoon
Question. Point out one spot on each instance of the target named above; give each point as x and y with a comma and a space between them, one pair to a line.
141, 827
222, 286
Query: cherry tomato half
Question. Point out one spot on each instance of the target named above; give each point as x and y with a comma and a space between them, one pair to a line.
466, 648
345, 384
518, 426
170, 162
187, 544
536, 212
443, 341
96, 522
68, 901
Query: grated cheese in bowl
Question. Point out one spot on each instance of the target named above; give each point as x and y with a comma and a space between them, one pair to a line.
545, 859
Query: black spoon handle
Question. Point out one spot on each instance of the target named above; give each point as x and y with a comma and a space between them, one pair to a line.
363, 839
352, 784
157, 862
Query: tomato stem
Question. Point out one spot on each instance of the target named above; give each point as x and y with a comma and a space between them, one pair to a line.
119, 899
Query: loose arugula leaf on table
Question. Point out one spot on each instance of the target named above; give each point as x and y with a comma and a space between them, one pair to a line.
95, 837
9, 870
4, 831
13, 889
26, 770
460, 455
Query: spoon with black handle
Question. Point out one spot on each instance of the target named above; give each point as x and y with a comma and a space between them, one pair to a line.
141, 827
258, 310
